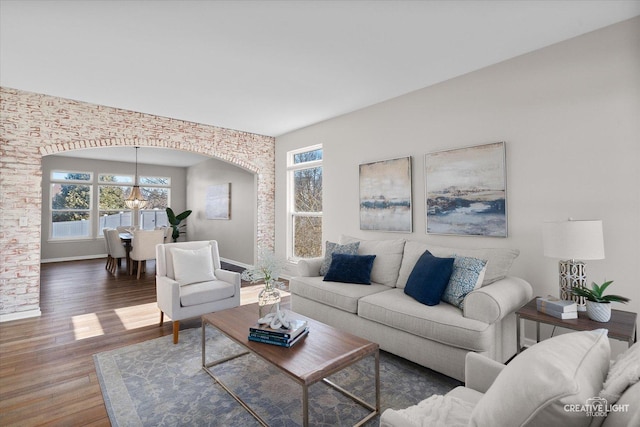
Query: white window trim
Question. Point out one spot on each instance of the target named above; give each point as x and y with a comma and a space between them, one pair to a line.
291, 169
88, 182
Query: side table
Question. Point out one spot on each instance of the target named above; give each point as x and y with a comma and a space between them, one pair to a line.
622, 325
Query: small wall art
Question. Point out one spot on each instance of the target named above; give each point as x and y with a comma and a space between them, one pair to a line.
218, 203
466, 191
385, 195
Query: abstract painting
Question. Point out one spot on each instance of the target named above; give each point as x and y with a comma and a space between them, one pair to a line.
466, 191
385, 195
218, 201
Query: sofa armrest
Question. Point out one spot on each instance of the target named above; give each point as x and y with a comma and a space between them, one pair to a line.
168, 295
493, 302
310, 267
480, 371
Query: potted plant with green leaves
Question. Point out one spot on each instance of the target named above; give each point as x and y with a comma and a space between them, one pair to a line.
175, 221
598, 304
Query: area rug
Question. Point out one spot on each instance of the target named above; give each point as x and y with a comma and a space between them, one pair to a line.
156, 383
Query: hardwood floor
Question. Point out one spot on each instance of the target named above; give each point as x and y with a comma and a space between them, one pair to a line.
47, 373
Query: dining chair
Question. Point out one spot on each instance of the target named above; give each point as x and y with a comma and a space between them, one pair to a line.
124, 228
106, 244
144, 247
190, 281
117, 249
167, 232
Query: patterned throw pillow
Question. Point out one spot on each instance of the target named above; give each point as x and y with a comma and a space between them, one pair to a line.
467, 275
331, 248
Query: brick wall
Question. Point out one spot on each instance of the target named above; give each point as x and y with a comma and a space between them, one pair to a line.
33, 125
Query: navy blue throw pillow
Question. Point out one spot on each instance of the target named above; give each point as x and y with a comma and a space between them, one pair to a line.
429, 279
350, 269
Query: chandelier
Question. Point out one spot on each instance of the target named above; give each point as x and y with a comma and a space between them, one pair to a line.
135, 199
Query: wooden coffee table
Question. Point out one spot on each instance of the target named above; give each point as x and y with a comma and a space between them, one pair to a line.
323, 352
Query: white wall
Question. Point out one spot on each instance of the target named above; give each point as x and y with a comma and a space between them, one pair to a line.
570, 116
237, 235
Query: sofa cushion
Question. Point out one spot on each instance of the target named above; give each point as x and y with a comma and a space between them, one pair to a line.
335, 294
499, 260
192, 265
203, 292
388, 257
429, 278
350, 269
467, 275
535, 388
331, 248
443, 323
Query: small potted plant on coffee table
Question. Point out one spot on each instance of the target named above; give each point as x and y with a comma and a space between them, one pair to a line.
598, 304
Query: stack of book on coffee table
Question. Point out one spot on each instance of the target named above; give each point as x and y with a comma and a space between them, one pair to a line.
284, 337
562, 309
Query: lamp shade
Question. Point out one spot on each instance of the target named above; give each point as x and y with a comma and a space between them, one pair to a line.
579, 240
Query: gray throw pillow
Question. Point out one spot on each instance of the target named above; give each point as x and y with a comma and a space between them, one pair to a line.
331, 248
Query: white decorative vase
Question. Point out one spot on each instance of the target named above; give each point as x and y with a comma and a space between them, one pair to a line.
599, 311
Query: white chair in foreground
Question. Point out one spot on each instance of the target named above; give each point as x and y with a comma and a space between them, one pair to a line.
144, 248
190, 281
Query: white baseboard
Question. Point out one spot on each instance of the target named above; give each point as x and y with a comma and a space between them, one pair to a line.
528, 342
20, 315
73, 258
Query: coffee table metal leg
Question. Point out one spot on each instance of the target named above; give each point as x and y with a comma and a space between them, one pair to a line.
375, 410
305, 405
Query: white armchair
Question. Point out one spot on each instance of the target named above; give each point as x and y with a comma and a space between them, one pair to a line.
190, 282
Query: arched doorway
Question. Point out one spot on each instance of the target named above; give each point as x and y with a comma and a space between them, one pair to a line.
35, 125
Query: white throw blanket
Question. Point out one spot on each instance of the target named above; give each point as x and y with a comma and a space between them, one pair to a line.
624, 372
435, 411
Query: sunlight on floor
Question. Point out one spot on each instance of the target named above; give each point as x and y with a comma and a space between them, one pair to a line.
137, 316
86, 326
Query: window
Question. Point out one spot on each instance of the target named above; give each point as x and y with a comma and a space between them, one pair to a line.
304, 201
156, 190
114, 189
71, 194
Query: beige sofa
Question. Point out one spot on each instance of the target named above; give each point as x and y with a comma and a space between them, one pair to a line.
438, 337
566, 380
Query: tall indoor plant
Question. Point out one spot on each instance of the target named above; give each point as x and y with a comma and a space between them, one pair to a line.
598, 304
175, 221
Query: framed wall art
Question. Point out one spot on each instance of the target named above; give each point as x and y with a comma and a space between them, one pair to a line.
466, 191
218, 203
385, 195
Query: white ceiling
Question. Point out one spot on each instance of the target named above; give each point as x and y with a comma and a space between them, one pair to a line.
270, 67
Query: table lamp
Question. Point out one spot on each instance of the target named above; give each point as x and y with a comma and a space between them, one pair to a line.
573, 242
